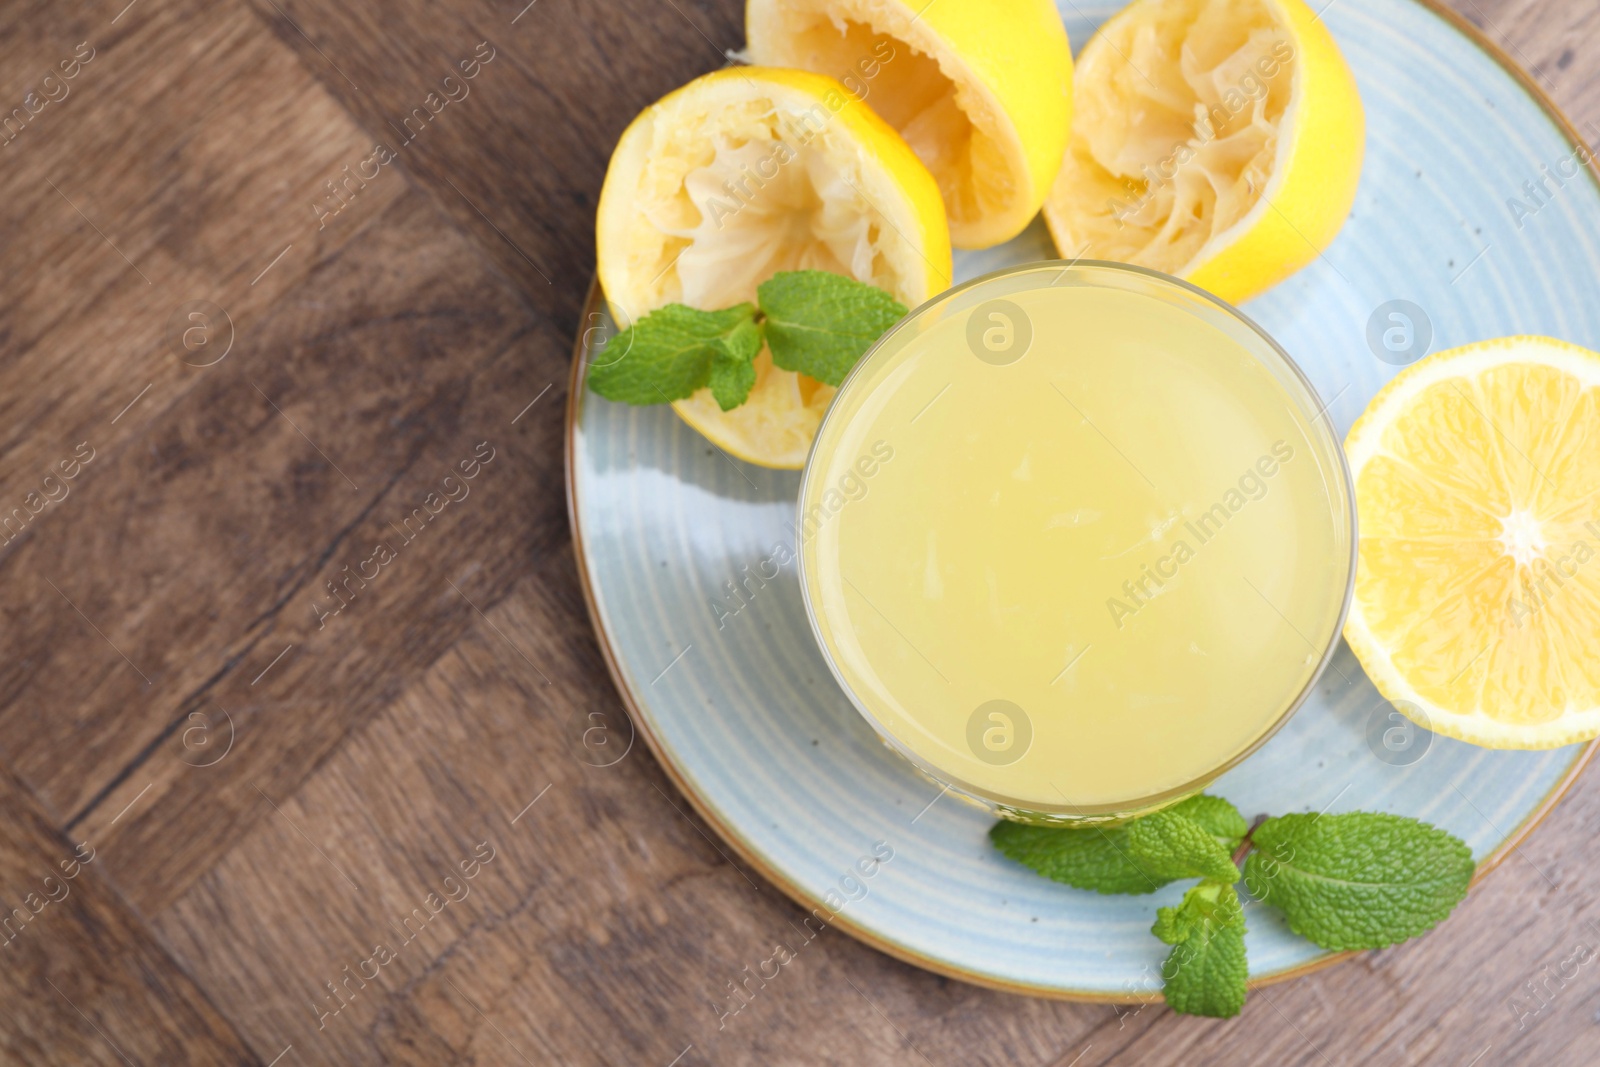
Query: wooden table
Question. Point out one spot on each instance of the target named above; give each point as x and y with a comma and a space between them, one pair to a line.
324, 807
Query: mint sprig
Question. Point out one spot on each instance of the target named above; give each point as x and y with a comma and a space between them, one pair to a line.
814, 322
1351, 881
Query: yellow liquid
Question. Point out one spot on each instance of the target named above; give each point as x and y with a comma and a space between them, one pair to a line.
1082, 582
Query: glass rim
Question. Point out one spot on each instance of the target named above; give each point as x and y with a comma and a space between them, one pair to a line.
1067, 812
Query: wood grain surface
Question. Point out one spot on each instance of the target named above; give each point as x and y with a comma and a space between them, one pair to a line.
260, 810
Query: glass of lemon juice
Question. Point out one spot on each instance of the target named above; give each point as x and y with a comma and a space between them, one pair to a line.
1076, 539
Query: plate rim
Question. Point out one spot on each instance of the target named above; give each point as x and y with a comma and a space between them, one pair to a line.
594, 302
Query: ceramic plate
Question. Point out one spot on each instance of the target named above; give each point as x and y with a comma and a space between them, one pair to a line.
741, 710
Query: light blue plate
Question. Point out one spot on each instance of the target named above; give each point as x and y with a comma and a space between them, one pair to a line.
744, 715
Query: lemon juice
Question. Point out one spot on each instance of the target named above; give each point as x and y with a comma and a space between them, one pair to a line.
1075, 539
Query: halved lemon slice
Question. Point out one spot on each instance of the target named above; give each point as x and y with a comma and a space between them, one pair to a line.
980, 89
1217, 140
746, 172
1477, 602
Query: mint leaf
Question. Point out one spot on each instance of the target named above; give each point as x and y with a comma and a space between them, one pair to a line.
1219, 818
1206, 970
1087, 858
733, 370
1170, 845
1125, 858
1358, 880
820, 324
667, 355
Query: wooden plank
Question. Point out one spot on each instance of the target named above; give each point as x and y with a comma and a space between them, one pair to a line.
382, 381
83, 980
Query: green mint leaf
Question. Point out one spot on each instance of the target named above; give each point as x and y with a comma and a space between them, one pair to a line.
733, 371
1219, 818
820, 324
1088, 858
1170, 845
1206, 970
667, 355
1358, 880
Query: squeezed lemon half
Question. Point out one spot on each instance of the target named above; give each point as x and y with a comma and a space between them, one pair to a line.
1217, 140
980, 89
1477, 600
741, 174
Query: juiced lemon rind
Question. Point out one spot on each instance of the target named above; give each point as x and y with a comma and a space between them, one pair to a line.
745, 172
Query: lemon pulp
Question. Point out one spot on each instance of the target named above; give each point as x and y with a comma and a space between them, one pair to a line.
1477, 477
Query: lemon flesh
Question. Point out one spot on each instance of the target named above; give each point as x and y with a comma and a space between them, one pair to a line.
980, 89
741, 174
1477, 600
1217, 140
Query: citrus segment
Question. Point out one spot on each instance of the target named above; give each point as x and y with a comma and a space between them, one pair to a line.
1436, 510
1446, 434
1574, 472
